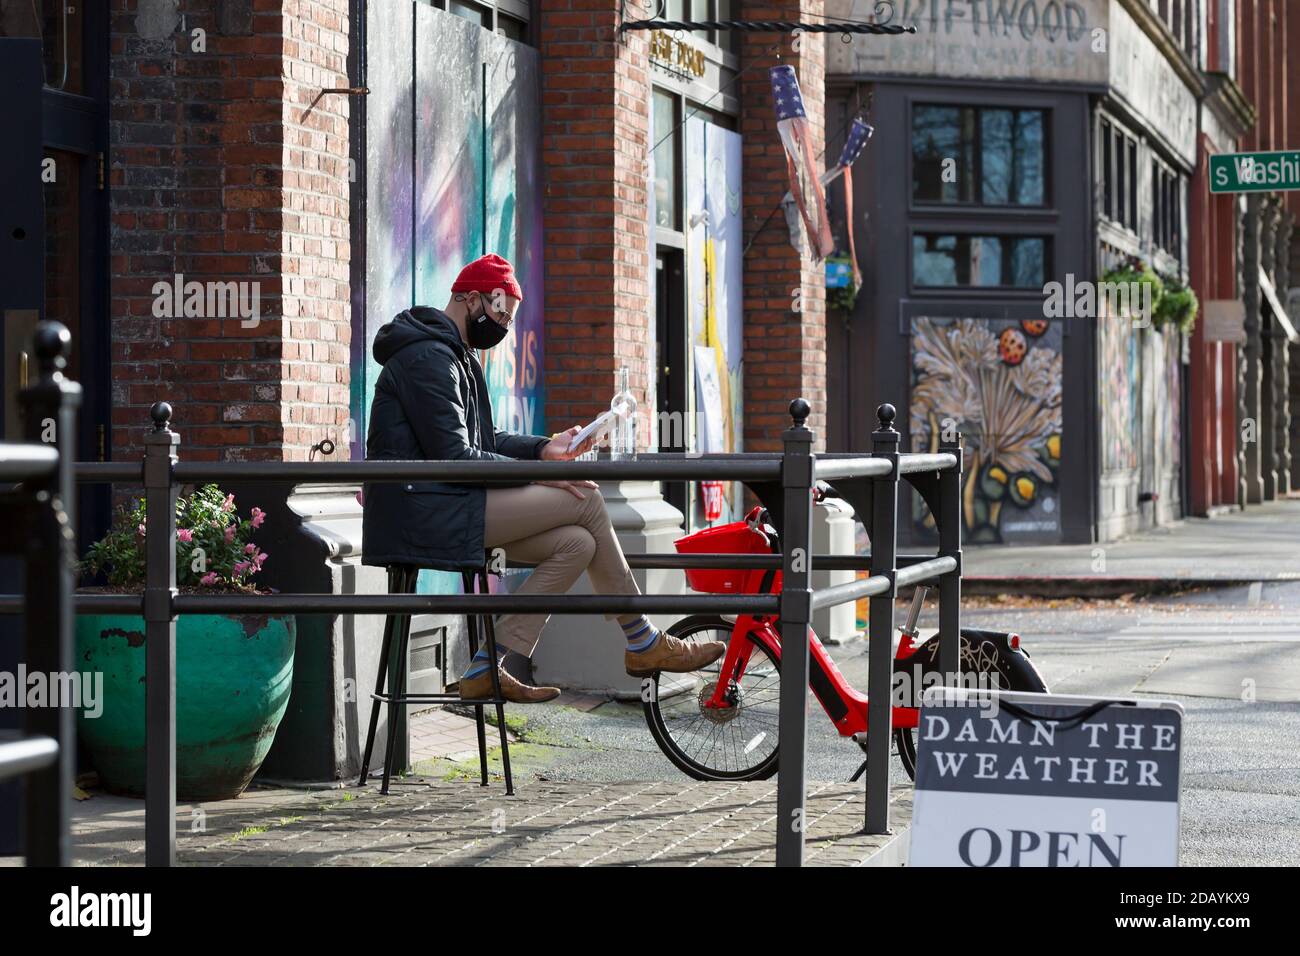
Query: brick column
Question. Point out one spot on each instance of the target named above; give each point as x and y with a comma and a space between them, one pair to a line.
595, 151
220, 174
785, 297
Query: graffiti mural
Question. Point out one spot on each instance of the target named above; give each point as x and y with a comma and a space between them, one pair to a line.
513, 228
1120, 404
714, 249
453, 170
998, 382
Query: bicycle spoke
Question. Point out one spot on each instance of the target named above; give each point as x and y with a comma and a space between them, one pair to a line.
726, 740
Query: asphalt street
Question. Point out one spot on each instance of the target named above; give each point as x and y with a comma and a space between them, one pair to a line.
1231, 657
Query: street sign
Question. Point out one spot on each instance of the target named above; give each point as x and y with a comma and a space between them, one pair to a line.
1014, 779
1255, 172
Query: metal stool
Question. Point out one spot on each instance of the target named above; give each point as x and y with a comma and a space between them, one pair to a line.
401, 580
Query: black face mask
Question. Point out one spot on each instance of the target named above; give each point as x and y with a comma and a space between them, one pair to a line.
484, 332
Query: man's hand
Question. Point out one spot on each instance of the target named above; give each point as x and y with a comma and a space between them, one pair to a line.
557, 449
572, 487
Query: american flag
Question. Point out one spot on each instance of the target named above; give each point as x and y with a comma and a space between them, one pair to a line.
792, 124
859, 133
854, 144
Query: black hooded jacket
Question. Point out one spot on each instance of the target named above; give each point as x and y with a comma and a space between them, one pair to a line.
431, 403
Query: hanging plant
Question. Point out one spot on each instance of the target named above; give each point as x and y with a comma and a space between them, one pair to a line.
1133, 271
842, 296
1178, 306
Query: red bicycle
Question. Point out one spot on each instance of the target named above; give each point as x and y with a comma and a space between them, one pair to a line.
720, 723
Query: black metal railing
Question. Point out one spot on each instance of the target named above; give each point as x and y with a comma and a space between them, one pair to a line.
36, 522
783, 481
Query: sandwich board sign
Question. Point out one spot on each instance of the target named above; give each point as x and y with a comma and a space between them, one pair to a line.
1017, 779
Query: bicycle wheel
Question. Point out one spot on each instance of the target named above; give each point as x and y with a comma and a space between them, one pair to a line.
982, 652
734, 743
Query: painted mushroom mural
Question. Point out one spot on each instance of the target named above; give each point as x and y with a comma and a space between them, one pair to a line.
1002, 390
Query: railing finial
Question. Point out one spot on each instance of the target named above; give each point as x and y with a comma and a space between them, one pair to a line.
799, 412
161, 413
885, 414
51, 342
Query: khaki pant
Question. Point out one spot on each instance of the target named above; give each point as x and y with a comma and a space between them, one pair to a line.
564, 536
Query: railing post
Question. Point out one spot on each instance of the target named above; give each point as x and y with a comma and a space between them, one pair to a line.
880, 625
949, 520
160, 639
50, 416
796, 619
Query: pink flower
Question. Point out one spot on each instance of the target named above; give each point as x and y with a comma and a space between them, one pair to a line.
185, 535
229, 503
241, 567
140, 530
258, 559
209, 578
250, 548
258, 517
230, 533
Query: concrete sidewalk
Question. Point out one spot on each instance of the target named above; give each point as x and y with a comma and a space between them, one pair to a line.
1260, 544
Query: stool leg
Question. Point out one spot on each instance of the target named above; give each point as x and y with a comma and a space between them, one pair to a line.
490, 627
397, 684
384, 651
480, 723
472, 627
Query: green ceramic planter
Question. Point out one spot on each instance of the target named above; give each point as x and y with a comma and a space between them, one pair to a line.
233, 678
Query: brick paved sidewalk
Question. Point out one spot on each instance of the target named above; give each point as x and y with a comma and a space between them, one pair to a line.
427, 822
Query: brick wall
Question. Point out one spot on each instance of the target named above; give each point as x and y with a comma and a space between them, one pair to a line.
595, 110
219, 173
785, 298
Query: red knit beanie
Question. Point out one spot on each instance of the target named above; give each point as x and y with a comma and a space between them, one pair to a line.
487, 274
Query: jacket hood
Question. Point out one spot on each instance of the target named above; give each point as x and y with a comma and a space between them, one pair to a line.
420, 324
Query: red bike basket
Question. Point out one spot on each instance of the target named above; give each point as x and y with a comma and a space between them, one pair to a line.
735, 538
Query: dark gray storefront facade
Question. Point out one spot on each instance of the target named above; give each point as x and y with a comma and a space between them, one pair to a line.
988, 198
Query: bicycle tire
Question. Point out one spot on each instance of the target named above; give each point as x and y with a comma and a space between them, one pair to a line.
764, 768
983, 652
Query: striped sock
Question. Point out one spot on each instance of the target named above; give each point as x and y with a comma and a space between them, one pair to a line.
479, 662
641, 634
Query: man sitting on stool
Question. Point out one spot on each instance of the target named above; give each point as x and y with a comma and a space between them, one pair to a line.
431, 403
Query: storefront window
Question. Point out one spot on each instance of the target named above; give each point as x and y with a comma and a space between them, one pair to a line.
59, 25
964, 154
471, 11
667, 150
940, 260
1167, 211
1119, 176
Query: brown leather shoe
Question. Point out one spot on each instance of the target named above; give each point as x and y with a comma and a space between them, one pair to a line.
674, 655
480, 687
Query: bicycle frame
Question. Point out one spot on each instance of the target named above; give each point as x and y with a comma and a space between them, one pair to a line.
844, 705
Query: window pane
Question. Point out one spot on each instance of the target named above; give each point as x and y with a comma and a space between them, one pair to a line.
1107, 173
938, 143
60, 25
665, 156
1132, 220
470, 11
1027, 159
996, 155
1028, 265
512, 28
1121, 192
987, 261
1008, 169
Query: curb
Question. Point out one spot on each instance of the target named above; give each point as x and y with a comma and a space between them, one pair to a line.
1051, 586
